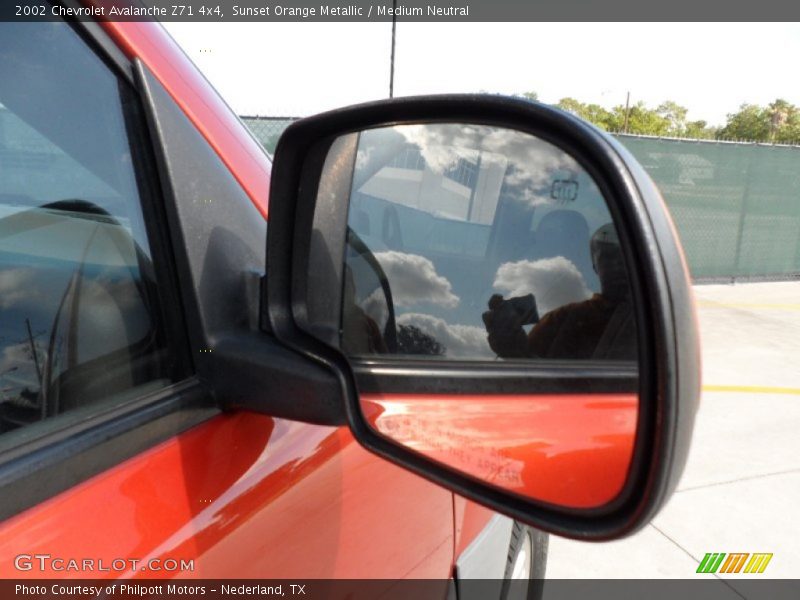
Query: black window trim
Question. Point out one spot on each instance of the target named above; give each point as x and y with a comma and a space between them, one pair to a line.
92, 33
57, 460
170, 304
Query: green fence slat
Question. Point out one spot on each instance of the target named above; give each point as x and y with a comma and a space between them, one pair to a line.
736, 206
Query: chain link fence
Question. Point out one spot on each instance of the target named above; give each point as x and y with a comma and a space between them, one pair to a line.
267, 130
736, 205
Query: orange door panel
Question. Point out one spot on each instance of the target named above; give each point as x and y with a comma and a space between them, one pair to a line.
244, 496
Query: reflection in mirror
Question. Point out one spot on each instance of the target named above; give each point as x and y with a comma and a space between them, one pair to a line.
479, 243
470, 242
571, 450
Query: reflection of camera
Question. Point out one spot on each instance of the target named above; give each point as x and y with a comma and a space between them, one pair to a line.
524, 307
504, 321
520, 310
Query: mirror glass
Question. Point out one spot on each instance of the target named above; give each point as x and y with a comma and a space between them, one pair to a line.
474, 243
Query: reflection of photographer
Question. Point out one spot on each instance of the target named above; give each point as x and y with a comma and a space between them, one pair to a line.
504, 321
601, 327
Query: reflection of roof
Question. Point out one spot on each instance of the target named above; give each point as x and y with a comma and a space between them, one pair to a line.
52, 234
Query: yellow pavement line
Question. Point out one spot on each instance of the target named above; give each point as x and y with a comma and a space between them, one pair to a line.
752, 389
764, 305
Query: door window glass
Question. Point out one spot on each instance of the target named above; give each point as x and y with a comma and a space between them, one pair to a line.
79, 318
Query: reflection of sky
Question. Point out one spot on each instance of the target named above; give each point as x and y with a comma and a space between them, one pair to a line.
474, 258
533, 160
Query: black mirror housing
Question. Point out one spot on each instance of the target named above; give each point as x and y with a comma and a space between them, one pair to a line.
301, 305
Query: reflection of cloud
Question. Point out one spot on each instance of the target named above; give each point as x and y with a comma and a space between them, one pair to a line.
442, 145
414, 280
553, 281
532, 162
16, 288
460, 340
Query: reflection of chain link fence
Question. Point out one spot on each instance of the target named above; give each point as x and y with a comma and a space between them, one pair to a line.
736, 205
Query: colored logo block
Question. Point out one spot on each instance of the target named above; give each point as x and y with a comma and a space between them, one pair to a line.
738, 562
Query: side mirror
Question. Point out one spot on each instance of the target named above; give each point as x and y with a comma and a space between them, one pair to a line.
500, 292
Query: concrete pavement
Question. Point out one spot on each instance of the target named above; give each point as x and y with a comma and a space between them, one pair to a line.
741, 488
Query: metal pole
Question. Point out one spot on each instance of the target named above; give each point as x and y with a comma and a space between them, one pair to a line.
391, 64
743, 211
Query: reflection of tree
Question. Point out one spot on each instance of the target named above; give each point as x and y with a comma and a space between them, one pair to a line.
412, 340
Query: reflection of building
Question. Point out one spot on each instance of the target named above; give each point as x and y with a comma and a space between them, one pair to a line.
466, 189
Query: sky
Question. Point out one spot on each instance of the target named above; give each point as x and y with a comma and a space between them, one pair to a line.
298, 69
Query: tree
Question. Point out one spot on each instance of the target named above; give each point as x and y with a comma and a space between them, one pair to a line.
778, 122
642, 120
594, 113
751, 122
532, 96
412, 340
674, 115
784, 122
699, 130
668, 119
